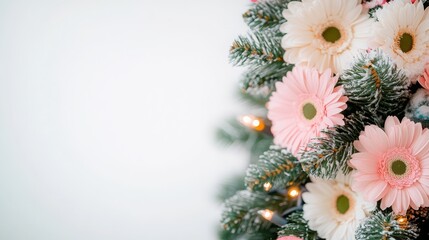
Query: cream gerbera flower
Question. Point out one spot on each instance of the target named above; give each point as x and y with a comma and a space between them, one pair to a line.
333, 209
402, 31
325, 33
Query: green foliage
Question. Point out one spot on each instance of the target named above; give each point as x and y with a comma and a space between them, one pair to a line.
241, 215
234, 132
261, 49
381, 226
230, 187
373, 10
327, 155
419, 217
276, 166
374, 84
297, 226
264, 76
256, 99
266, 15
266, 234
256, 49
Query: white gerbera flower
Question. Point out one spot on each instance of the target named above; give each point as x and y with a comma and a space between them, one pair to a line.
333, 209
325, 33
402, 31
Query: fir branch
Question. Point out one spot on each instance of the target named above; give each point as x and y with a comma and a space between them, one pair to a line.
372, 11
297, 226
375, 84
266, 234
276, 166
256, 49
327, 155
230, 187
233, 132
241, 215
255, 99
384, 226
264, 76
266, 15
420, 218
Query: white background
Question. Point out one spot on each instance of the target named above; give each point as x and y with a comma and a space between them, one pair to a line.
107, 117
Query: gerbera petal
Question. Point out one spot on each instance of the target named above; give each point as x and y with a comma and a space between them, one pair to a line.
388, 199
376, 190
415, 195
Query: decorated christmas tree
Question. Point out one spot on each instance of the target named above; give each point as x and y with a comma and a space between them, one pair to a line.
338, 138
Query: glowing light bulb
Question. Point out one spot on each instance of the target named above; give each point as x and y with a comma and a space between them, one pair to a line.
402, 221
253, 122
267, 214
293, 192
256, 123
247, 120
267, 186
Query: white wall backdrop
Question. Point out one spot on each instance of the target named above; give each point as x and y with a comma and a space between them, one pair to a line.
107, 112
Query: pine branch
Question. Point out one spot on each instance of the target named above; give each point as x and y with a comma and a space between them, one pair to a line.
233, 132
375, 84
256, 49
264, 76
373, 10
276, 166
268, 234
420, 218
327, 155
297, 226
256, 99
241, 215
230, 187
384, 226
266, 16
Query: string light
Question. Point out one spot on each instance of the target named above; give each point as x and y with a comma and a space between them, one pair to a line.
293, 192
253, 122
267, 186
267, 214
272, 217
402, 221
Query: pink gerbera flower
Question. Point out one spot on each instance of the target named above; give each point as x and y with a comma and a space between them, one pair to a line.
424, 78
393, 165
305, 103
289, 238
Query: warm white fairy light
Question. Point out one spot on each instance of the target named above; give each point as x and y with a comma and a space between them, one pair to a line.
267, 214
267, 186
247, 120
293, 192
253, 122
272, 217
256, 123
402, 221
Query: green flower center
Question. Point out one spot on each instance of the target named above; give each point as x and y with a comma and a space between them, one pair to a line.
343, 204
331, 34
406, 42
309, 111
398, 167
